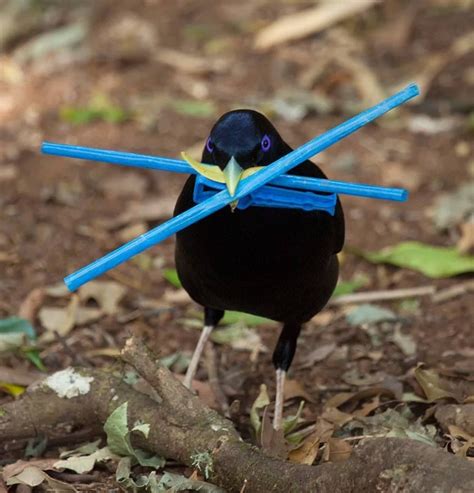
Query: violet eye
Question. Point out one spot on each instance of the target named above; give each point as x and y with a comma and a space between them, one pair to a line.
266, 143
209, 145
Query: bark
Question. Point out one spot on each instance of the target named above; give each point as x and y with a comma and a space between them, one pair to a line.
181, 426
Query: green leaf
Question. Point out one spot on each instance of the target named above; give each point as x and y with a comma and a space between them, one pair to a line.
290, 422
231, 317
33, 356
13, 332
195, 109
12, 389
17, 325
116, 429
348, 287
433, 261
100, 108
118, 438
178, 362
171, 275
262, 400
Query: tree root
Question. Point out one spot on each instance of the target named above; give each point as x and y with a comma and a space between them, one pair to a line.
182, 426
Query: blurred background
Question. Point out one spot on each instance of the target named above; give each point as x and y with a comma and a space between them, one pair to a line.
151, 76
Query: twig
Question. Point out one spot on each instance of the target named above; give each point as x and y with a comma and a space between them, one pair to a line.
383, 295
453, 291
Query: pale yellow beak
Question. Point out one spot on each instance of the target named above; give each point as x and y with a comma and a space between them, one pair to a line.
232, 175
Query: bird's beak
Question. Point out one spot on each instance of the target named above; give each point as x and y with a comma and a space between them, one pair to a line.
232, 175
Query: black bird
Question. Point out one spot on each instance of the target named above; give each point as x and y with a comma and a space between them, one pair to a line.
277, 263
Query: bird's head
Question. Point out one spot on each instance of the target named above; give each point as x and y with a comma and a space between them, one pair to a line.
240, 142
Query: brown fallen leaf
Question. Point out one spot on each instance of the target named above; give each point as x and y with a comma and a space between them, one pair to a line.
336, 417
59, 320
368, 407
432, 385
31, 304
307, 452
132, 231
33, 476
204, 391
16, 376
466, 242
293, 388
354, 377
462, 442
338, 450
20, 465
309, 21
272, 441
176, 296
350, 400
317, 355
107, 294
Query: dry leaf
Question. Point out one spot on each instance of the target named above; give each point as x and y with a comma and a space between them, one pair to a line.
318, 355
460, 447
272, 441
132, 231
339, 450
368, 407
293, 388
204, 391
33, 476
431, 384
19, 377
31, 304
405, 342
107, 294
60, 320
308, 451
309, 21
176, 296
336, 417
466, 242
20, 465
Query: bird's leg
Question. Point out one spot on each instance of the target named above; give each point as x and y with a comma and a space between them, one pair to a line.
211, 319
282, 358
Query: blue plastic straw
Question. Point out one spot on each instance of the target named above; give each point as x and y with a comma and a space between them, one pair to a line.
221, 199
178, 166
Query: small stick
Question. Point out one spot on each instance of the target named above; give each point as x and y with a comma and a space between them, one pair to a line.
453, 291
390, 294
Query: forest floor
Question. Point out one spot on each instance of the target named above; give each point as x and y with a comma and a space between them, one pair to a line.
152, 77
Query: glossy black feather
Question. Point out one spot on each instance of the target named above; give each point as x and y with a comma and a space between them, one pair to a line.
276, 263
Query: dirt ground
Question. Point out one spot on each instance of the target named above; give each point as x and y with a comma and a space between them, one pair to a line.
57, 215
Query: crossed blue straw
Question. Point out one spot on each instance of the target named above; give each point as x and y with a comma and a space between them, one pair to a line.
274, 174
